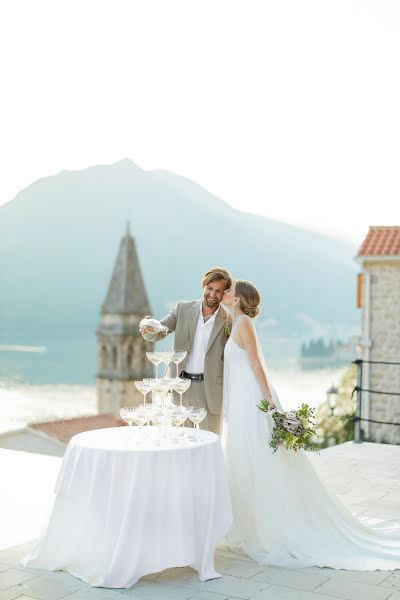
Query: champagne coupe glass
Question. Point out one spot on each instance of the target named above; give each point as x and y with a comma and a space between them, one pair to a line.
155, 358
177, 358
187, 410
152, 383
140, 419
169, 383
168, 412
184, 411
144, 388
197, 415
126, 413
181, 386
167, 387
166, 359
178, 417
161, 388
148, 412
158, 419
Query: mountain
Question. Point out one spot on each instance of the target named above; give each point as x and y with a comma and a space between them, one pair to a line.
59, 238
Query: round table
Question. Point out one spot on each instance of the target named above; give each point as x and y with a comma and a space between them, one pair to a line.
124, 510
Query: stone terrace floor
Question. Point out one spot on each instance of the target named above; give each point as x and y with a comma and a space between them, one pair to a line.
365, 476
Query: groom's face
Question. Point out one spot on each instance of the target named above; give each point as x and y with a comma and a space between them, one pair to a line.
213, 292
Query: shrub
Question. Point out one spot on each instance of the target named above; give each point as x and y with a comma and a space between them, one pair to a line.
340, 427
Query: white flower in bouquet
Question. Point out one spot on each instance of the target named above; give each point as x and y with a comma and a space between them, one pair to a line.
291, 424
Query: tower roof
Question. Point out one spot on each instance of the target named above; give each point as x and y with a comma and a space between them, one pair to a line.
126, 292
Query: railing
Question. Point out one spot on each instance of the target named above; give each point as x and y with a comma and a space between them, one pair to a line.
360, 389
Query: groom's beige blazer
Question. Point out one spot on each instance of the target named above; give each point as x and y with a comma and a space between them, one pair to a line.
183, 320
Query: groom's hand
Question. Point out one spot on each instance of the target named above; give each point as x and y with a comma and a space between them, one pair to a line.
147, 329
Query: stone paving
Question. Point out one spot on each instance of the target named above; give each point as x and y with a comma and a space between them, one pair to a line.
365, 476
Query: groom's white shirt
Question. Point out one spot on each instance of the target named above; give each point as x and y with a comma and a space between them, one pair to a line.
196, 359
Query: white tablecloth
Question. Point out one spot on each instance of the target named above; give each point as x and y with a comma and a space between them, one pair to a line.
123, 511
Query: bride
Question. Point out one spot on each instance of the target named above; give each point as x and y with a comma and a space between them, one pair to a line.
283, 513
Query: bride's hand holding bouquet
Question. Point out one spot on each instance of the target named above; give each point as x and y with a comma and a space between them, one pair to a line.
269, 405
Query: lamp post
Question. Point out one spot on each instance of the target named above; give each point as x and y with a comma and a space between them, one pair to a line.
331, 395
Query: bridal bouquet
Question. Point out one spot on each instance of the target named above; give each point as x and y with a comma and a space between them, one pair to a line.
293, 430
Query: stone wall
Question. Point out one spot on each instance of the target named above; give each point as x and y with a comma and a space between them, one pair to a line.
113, 395
385, 338
121, 360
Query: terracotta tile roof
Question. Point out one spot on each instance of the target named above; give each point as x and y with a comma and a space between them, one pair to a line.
63, 431
381, 241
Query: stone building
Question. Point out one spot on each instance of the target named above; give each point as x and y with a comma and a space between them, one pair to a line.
379, 299
121, 357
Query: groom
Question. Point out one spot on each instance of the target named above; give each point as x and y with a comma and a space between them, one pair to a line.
199, 327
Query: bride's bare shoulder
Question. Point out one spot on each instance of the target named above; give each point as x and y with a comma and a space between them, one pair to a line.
245, 324
243, 318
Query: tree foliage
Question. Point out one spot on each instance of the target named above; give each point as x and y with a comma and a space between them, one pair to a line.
338, 428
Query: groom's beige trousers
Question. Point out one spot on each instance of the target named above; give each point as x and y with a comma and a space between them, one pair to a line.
195, 396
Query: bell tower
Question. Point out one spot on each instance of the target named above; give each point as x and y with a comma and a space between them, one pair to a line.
121, 350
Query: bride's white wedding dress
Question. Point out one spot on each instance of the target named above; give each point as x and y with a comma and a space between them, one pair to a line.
283, 513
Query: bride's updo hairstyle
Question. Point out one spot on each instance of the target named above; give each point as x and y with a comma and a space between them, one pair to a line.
249, 298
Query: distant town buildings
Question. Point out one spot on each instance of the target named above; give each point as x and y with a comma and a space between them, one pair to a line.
378, 296
316, 353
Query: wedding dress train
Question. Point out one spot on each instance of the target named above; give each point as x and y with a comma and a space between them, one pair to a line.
283, 513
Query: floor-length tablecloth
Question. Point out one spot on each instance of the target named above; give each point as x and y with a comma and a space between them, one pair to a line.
123, 511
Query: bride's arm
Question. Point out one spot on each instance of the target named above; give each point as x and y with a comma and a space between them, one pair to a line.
247, 336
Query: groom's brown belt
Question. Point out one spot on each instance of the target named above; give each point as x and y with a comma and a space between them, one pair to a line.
195, 377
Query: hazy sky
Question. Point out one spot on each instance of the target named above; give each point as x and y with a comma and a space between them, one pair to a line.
288, 109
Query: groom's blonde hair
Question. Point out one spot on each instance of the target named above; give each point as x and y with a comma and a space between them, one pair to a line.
217, 274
